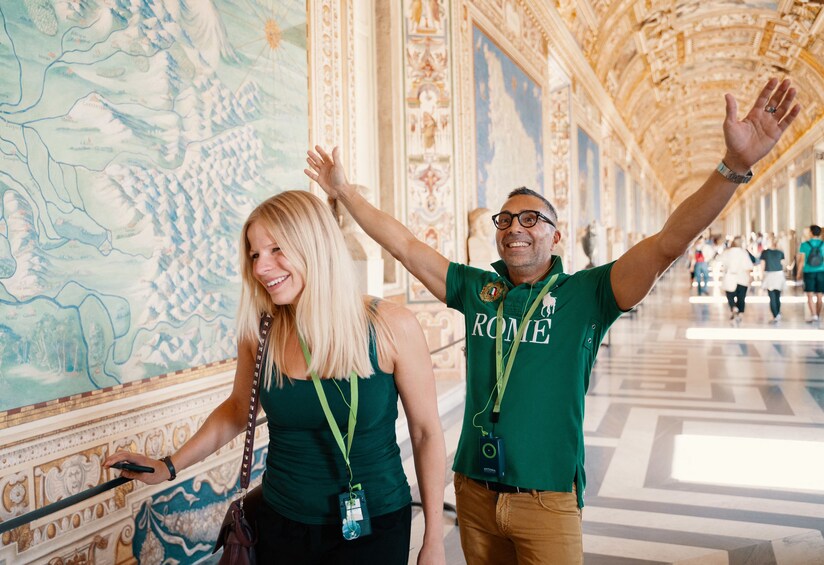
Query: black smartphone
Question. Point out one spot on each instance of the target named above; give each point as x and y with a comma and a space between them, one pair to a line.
132, 467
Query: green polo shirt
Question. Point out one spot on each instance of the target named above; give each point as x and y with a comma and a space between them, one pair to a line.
542, 412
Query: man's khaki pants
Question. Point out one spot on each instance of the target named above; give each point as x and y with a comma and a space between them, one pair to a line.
528, 528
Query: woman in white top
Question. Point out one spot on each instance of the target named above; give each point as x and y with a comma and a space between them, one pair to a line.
737, 267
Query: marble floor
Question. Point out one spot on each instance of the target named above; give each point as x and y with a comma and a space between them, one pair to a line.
708, 450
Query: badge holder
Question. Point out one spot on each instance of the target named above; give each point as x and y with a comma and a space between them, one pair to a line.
354, 514
491, 456
491, 448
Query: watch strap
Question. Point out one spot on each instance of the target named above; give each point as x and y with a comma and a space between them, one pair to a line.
732, 176
172, 472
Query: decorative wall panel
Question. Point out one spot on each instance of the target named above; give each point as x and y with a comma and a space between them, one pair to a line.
327, 72
560, 133
588, 225
803, 201
430, 188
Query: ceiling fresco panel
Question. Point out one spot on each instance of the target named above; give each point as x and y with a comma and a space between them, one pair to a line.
667, 65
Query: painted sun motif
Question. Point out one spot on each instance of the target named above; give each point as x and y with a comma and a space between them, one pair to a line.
261, 30
273, 34
266, 51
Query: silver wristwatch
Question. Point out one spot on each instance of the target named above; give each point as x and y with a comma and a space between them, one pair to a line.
732, 176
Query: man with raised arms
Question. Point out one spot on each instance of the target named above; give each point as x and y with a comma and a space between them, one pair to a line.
532, 335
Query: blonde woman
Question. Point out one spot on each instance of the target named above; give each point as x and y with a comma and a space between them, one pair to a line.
295, 266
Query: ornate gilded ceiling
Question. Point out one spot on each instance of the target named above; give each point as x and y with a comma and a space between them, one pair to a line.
667, 65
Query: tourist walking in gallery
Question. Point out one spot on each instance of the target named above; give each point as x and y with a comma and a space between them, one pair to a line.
772, 263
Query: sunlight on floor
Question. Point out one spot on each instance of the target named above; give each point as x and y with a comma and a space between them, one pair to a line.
747, 300
755, 334
749, 462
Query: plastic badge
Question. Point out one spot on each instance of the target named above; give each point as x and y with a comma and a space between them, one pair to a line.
354, 515
491, 456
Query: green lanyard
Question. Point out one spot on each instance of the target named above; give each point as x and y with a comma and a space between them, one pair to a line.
503, 376
333, 425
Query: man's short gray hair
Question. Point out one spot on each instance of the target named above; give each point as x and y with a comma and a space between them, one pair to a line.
524, 191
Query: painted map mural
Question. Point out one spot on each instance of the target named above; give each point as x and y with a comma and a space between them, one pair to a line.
508, 125
135, 137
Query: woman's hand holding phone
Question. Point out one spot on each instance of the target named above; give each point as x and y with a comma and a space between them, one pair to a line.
125, 465
137, 466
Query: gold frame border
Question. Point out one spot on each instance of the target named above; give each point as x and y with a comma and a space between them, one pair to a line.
32, 412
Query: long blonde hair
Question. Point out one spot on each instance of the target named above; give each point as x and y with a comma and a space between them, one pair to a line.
331, 315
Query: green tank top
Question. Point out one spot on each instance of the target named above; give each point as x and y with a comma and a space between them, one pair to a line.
305, 471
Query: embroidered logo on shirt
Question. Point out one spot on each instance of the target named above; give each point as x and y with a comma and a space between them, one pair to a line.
548, 305
492, 291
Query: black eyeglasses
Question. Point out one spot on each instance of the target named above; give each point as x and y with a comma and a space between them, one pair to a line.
527, 218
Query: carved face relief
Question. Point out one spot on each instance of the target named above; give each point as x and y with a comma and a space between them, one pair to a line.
73, 475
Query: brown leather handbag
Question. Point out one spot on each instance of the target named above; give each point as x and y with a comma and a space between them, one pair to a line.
238, 534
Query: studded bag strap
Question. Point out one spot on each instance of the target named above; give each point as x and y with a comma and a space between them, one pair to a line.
254, 401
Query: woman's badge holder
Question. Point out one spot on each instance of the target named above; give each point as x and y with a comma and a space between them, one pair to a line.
354, 515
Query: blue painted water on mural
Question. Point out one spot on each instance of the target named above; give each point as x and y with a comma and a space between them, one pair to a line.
135, 137
181, 523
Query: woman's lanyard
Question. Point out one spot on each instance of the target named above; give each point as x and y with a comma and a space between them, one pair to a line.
333, 425
502, 376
